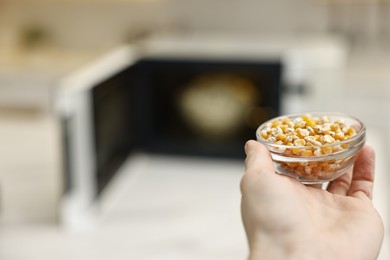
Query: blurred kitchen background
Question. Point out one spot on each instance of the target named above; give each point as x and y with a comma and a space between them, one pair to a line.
122, 121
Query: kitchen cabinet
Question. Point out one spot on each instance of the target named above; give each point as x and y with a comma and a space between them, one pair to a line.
27, 78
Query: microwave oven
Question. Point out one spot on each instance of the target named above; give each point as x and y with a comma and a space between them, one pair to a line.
125, 103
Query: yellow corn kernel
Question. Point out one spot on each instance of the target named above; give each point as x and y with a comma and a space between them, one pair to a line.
283, 127
318, 129
286, 120
296, 151
340, 123
275, 123
271, 139
325, 119
292, 165
336, 148
308, 120
339, 136
264, 134
308, 169
281, 137
289, 139
299, 142
307, 153
300, 124
316, 170
318, 152
289, 130
310, 138
327, 150
329, 168
317, 143
323, 164
316, 120
327, 139
335, 127
351, 131
310, 130
302, 132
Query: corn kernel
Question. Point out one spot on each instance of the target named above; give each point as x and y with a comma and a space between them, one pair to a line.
325, 119
271, 139
275, 123
264, 134
317, 143
327, 139
300, 124
336, 148
307, 153
308, 120
292, 165
310, 130
318, 129
296, 151
276, 130
303, 163
339, 136
300, 169
289, 139
316, 120
327, 150
281, 137
351, 131
310, 138
316, 170
302, 132
283, 127
308, 169
329, 168
324, 164
335, 127
318, 152
289, 130
286, 120
299, 142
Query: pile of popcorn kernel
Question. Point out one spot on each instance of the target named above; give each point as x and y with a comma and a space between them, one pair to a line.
309, 136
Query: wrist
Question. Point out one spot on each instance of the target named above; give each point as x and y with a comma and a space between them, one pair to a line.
268, 247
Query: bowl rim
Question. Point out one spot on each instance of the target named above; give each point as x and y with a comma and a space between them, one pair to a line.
361, 133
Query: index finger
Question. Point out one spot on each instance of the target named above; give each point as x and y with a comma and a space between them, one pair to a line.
363, 174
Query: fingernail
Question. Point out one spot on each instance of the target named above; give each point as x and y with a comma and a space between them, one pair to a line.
248, 146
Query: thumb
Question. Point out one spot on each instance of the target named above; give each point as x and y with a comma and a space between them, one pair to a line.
258, 163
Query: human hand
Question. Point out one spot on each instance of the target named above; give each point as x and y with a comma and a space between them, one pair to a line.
285, 219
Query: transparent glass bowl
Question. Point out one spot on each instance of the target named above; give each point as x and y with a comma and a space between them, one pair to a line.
317, 169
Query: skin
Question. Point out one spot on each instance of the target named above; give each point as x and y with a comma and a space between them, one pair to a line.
285, 219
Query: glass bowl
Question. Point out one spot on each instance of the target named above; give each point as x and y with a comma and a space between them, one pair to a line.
309, 166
